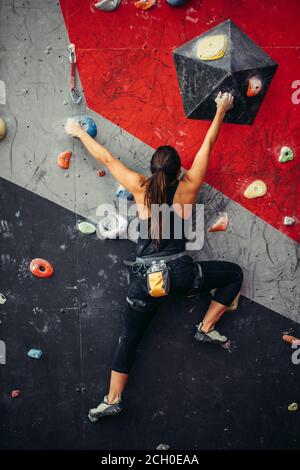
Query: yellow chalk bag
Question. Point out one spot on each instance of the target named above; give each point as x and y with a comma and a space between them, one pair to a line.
158, 279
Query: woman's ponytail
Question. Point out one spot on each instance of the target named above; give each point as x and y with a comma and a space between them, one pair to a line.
165, 165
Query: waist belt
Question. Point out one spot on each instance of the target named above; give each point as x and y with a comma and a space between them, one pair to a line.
149, 259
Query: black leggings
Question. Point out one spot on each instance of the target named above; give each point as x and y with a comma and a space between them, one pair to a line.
140, 309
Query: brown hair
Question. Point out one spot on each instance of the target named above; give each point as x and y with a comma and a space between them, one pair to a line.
165, 165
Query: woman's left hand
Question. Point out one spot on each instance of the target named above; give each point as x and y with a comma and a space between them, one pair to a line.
73, 128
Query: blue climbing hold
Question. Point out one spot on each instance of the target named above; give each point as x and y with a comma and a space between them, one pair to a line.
88, 124
176, 3
35, 353
123, 192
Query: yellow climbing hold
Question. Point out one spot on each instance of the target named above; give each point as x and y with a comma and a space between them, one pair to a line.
293, 407
212, 47
256, 189
2, 128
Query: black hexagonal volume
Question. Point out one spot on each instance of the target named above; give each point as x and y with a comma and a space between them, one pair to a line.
226, 59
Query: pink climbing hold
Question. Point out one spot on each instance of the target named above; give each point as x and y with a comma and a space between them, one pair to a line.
254, 86
221, 224
15, 393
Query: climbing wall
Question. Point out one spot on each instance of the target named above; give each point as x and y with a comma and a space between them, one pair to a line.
128, 83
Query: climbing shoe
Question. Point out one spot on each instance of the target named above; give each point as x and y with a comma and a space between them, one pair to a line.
105, 409
213, 336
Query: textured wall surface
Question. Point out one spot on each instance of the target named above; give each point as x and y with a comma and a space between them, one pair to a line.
127, 69
35, 69
180, 392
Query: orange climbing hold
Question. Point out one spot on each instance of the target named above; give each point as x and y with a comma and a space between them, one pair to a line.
63, 159
291, 339
221, 224
41, 268
144, 4
254, 86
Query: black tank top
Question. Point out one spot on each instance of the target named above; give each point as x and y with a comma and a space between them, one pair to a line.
166, 246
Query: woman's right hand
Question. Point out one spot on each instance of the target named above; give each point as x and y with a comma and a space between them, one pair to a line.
224, 101
73, 128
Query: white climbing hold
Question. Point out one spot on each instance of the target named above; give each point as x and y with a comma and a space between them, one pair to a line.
112, 226
288, 220
86, 227
257, 188
2, 92
212, 47
107, 5
2, 299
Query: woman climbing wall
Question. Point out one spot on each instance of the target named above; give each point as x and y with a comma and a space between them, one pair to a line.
162, 265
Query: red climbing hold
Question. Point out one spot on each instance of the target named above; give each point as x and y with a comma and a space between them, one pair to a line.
221, 224
41, 268
254, 86
15, 393
63, 159
101, 173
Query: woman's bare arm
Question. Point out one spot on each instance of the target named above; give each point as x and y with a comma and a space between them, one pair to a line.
196, 174
130, 179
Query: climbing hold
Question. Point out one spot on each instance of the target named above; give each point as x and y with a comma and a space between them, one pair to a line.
88, 124
254, 86
256, 189
63, 159
35, 353
107, 5
221, 224
286, 154
163, 447
2, 299
291, 340
288, 220
15, 393
101, 173
112, 226
144, 4
176, 3
86, 227
123, 192
212, 47
3, 129
41, 268
293, 407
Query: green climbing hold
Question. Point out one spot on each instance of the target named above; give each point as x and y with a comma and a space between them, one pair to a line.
86, 227
286, 154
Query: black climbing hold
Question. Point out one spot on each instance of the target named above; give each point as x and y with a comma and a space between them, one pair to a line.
84, 304
62, 310
201, 80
